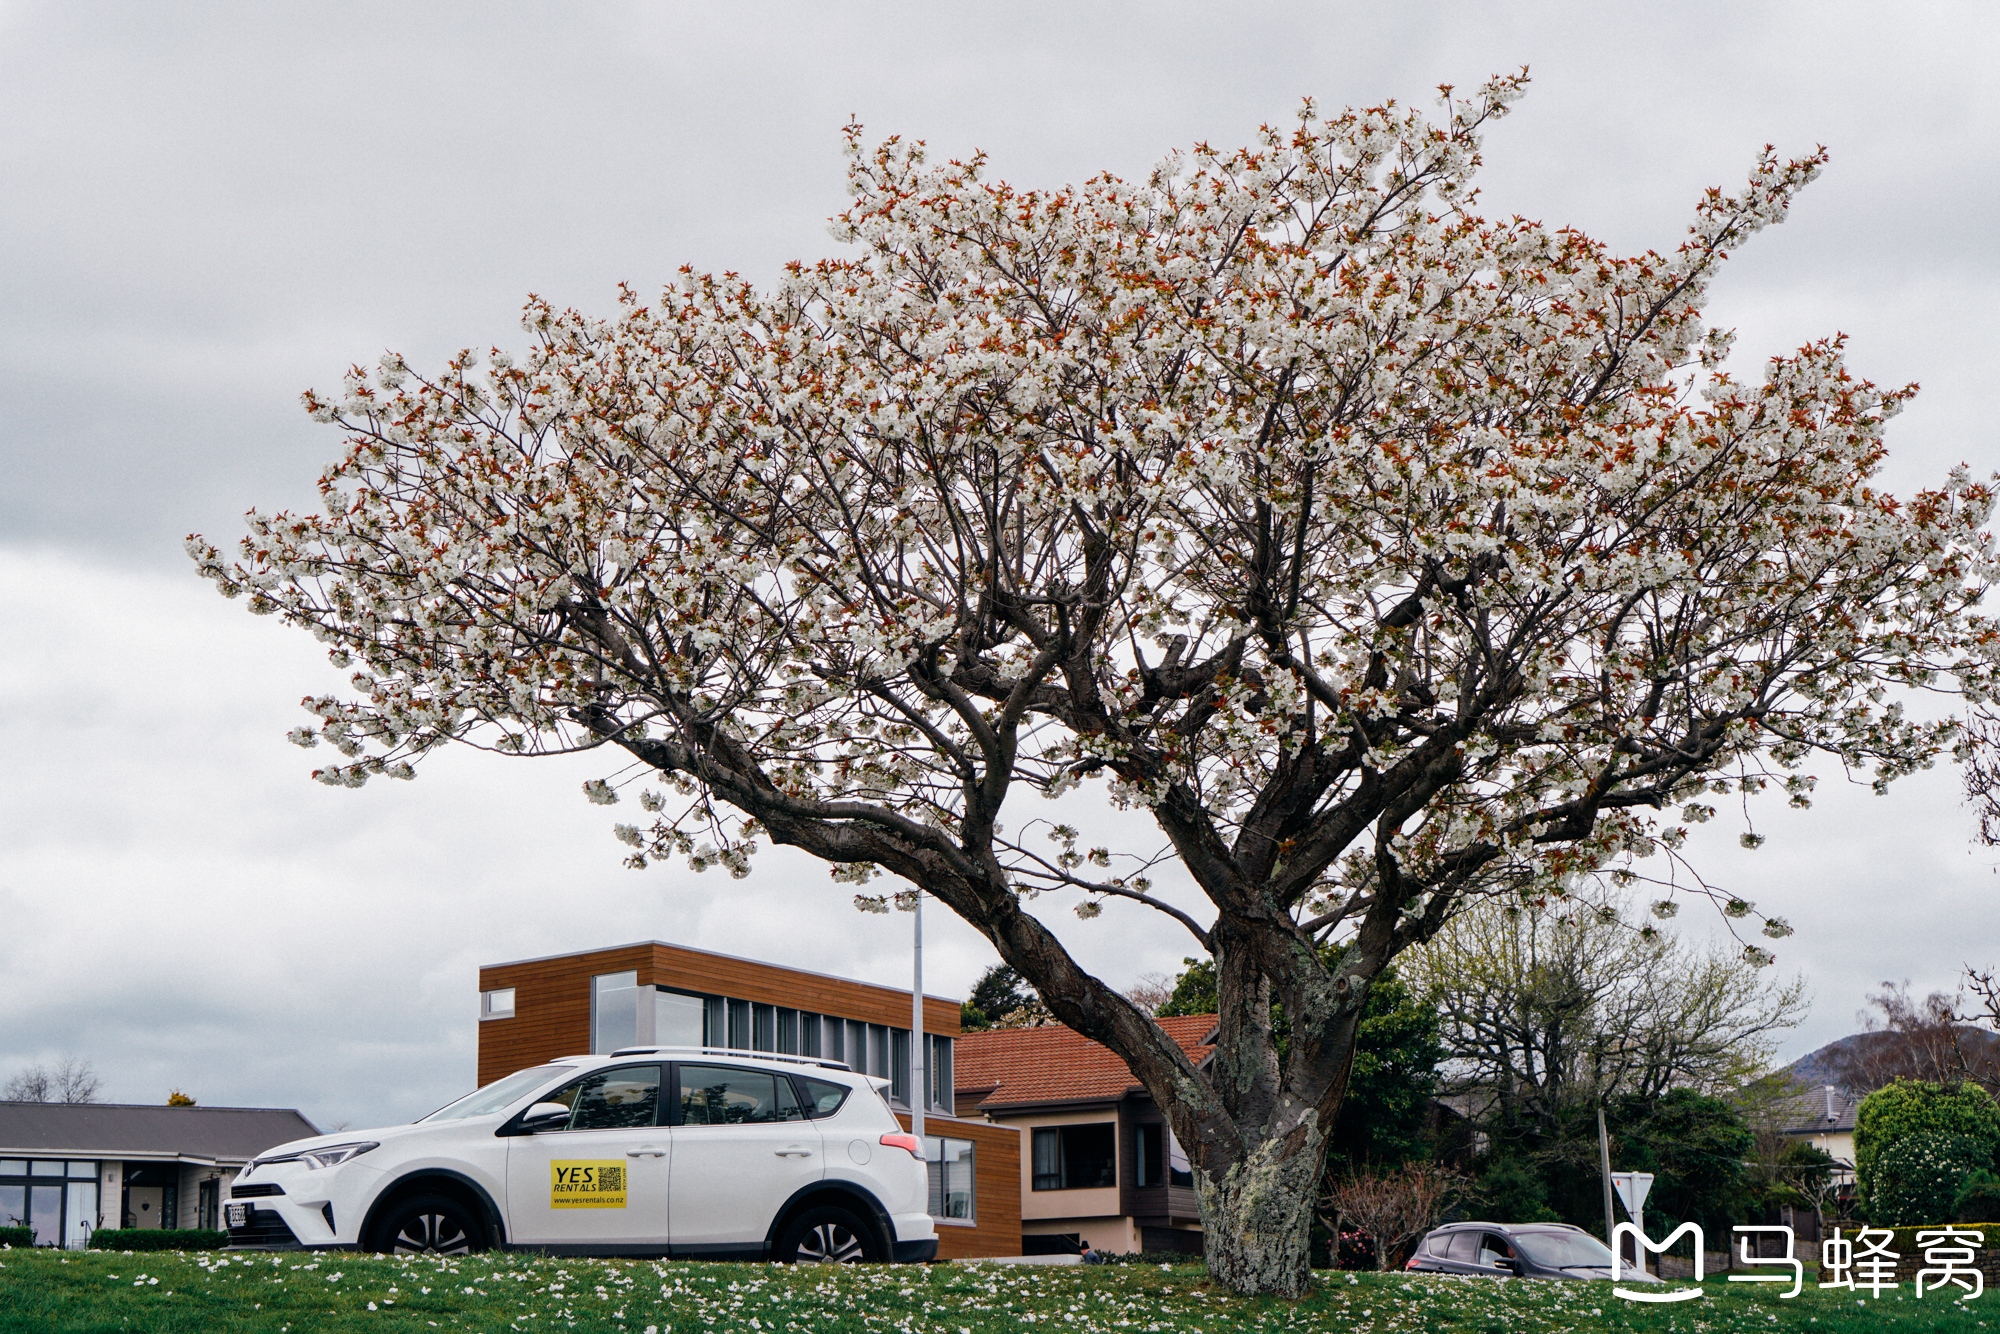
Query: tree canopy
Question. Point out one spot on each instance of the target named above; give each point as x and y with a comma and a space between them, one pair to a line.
1383, 553
1545, 1010
1954, 1121
998, 993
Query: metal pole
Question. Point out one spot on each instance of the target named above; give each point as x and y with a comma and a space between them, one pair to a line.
917, 1062
1604, 1160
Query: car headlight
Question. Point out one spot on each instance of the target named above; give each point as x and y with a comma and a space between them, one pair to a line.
335, 1154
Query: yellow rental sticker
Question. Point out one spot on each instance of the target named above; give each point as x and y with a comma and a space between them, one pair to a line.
587, 1185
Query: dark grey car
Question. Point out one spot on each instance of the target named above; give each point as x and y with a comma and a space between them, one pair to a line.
1517, 1250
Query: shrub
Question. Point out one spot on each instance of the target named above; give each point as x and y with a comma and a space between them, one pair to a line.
158, 1239
17, 1236
1511, 1191
1910, 1107
1918, 1177
1978, 1199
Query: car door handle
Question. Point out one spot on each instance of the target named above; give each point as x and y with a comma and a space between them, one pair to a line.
788, 1153
645, 1153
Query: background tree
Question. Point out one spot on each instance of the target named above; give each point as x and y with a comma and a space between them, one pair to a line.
1150, 992
71, 1080
1546, 1011
998, 993
1384, 554
1928, 1040
1392, 1207
176, 1098
1698, 1149
1956, 1122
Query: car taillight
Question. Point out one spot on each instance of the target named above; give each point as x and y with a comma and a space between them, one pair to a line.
900, 1140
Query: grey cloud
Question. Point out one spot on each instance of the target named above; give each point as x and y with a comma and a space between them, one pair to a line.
206, 208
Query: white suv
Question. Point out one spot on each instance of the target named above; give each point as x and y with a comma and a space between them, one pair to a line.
648, 1151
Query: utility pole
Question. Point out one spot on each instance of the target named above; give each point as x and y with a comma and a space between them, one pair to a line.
917, 1043
1604, 1161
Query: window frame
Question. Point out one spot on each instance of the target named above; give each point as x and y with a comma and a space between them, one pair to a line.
971, 1218
1062, 1172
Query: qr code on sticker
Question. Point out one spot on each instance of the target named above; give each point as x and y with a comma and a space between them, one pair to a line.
611, 1180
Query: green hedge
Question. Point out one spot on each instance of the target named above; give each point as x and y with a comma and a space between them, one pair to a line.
158, 1239
1903, 1240
17, 1236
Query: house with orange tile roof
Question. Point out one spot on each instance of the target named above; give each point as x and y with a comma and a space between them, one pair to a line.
1098, 1163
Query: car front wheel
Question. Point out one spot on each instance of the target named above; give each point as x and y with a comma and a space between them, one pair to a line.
828, 1236
430, 1225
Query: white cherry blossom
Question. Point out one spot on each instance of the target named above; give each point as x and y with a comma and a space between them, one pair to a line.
1388, 554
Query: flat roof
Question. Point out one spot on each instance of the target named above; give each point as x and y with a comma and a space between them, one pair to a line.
733, 958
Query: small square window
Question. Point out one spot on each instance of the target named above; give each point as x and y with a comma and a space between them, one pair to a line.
497, 1004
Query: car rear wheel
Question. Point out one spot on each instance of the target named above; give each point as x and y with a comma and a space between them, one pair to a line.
829, 1236
430, 1225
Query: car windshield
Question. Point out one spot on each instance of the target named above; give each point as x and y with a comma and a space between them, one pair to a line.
1564, 1250
499, 1094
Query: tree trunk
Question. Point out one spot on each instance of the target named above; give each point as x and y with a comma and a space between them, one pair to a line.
1257, 1213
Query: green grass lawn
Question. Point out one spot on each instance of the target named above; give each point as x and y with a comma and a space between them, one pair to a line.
281, 1293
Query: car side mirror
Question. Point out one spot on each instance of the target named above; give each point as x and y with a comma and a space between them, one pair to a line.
1510, 1264
544, 1116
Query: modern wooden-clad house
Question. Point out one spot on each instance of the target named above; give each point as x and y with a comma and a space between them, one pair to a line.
1098, 1163
658, 994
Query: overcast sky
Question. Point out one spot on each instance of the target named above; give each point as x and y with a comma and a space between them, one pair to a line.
205, 209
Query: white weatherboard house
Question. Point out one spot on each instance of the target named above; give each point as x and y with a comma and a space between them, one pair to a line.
67, 1169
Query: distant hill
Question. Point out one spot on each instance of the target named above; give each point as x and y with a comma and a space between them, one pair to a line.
1817, 1068
1882, 1056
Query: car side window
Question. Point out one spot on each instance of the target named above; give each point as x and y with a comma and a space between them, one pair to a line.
620, 1099
1435, 1243
721, 1095
823, 1096
1492, 1250
1465, 1247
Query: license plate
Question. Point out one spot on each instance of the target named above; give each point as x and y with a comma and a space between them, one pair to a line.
239, 1215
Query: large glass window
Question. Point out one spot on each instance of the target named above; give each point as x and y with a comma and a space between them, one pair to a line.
1177, 1163
739, 1025
763, 1028
808, 1035
1075, 1157
720, 1095
679, 1020
33, 1194
950, 1164
788, 1031
942, 1096
614, 1012
899, 1066
1148, 1165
